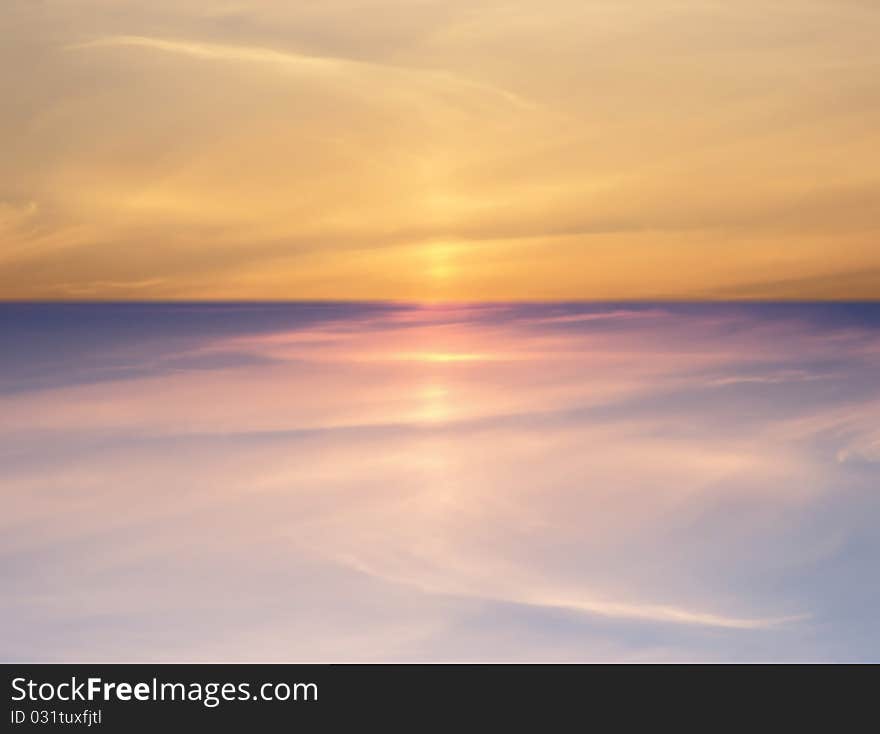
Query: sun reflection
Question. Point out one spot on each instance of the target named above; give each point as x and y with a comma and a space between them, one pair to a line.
444, 357
435, 404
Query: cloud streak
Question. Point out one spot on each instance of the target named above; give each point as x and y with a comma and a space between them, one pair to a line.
302, 63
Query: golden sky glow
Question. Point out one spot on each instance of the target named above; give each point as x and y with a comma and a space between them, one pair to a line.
440, 149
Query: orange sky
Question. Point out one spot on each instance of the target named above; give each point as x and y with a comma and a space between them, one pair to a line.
440, 149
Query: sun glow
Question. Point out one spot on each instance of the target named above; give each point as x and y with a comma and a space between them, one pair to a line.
441, 262
444, 357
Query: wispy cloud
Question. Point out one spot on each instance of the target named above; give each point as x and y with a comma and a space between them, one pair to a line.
304, 63
678, 482
465, 151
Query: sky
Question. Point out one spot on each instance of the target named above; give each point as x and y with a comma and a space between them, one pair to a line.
493, 482
437, 150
